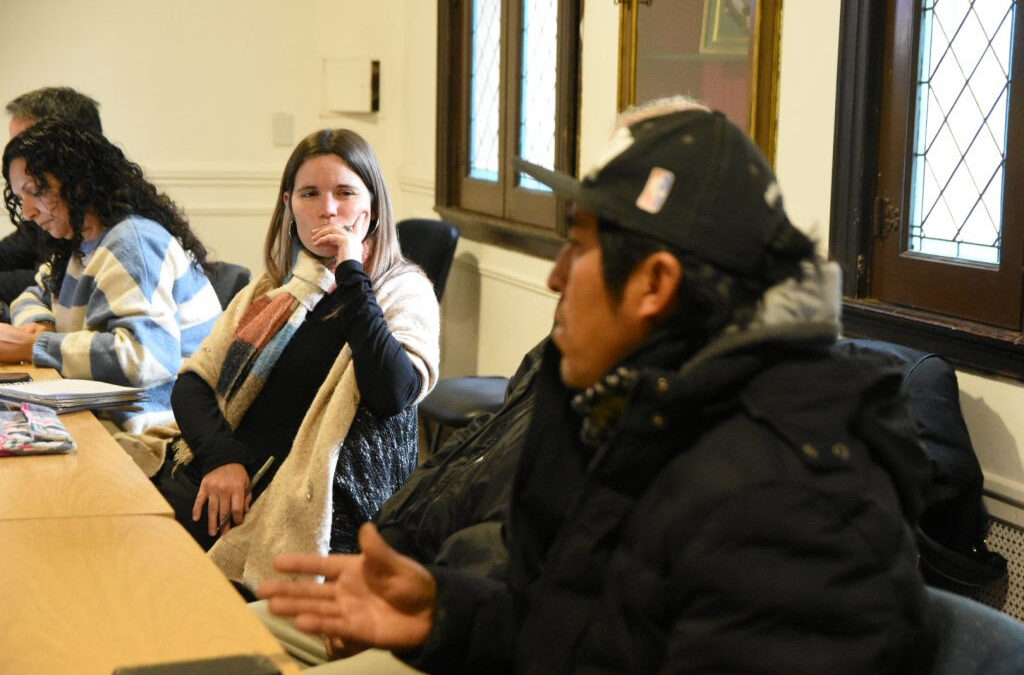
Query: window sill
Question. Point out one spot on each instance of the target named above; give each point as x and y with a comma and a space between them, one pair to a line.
968, 345
529, 239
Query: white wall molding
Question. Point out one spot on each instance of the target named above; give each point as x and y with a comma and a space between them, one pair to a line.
219, 177
1004, 498
228, 211
416, 184
1005, 511
506, 277
228, 205
219, 192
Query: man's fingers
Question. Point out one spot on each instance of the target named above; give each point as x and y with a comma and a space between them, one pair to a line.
401, 581
378, 597
380, 557
305, 563
340, 649
282, 588
320, 624
284, 605
382, 561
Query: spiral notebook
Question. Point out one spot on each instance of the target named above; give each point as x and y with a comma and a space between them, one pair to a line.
71, 395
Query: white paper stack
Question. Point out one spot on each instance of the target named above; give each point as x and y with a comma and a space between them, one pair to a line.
71, 395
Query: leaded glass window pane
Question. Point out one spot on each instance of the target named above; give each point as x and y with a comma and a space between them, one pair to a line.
960, 145
485, 90
537, 115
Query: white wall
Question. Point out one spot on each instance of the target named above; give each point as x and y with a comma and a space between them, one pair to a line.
807, 92
189, 90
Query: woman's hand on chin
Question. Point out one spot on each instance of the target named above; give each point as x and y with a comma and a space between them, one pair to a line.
347, 240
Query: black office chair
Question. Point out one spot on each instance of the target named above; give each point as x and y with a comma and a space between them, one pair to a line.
954, 523
431, 245
455, 401
974, 639
227, 279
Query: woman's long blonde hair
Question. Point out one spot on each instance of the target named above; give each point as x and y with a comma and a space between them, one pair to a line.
382, 239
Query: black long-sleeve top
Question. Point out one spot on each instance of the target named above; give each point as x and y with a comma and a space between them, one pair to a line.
388, 382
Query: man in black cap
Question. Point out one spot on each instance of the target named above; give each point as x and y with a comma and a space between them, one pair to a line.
706, 488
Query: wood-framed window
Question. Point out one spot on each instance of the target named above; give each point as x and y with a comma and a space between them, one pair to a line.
507, 87
927, 215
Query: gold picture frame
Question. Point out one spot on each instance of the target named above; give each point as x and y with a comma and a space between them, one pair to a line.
762, 55
726, 28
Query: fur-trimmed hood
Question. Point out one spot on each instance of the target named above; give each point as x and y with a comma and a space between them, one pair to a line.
799, 310
796, 314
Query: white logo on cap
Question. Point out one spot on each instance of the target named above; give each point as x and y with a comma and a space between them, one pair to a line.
656, 191
620, 141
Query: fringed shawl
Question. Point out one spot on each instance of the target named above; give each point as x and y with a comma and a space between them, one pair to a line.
294, 512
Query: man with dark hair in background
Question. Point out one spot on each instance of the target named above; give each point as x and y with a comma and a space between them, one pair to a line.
62, 103
18, 256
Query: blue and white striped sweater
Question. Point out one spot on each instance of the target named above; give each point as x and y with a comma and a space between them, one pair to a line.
128, 313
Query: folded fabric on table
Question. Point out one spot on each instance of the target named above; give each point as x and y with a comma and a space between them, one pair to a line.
33, 430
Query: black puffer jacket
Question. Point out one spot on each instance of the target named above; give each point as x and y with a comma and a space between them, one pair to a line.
746, 512
450, 511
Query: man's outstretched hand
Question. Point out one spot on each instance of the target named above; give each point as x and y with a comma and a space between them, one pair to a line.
378, 598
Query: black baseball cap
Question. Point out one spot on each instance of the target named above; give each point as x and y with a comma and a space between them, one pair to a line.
689, 178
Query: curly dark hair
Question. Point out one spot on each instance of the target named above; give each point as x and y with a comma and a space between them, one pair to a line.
94, 177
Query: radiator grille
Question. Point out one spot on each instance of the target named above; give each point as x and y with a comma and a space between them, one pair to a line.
1007, 595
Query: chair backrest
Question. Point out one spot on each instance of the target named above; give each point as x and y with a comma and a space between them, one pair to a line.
974, 639
953, 526
227, 279
431, 245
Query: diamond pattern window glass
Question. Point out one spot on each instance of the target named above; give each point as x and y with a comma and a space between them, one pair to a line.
485, 90
539, 80
508, 87
960, 146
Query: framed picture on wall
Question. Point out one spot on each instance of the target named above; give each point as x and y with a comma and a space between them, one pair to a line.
726, 28
724, 53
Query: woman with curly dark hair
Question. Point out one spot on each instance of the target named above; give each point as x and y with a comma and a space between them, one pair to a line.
122, 296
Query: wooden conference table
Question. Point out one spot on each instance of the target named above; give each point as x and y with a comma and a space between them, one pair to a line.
100, 479
95, 574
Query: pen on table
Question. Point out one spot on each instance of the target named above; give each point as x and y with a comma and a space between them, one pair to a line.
248, 490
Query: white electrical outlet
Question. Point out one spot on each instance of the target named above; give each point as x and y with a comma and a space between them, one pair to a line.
282, 126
